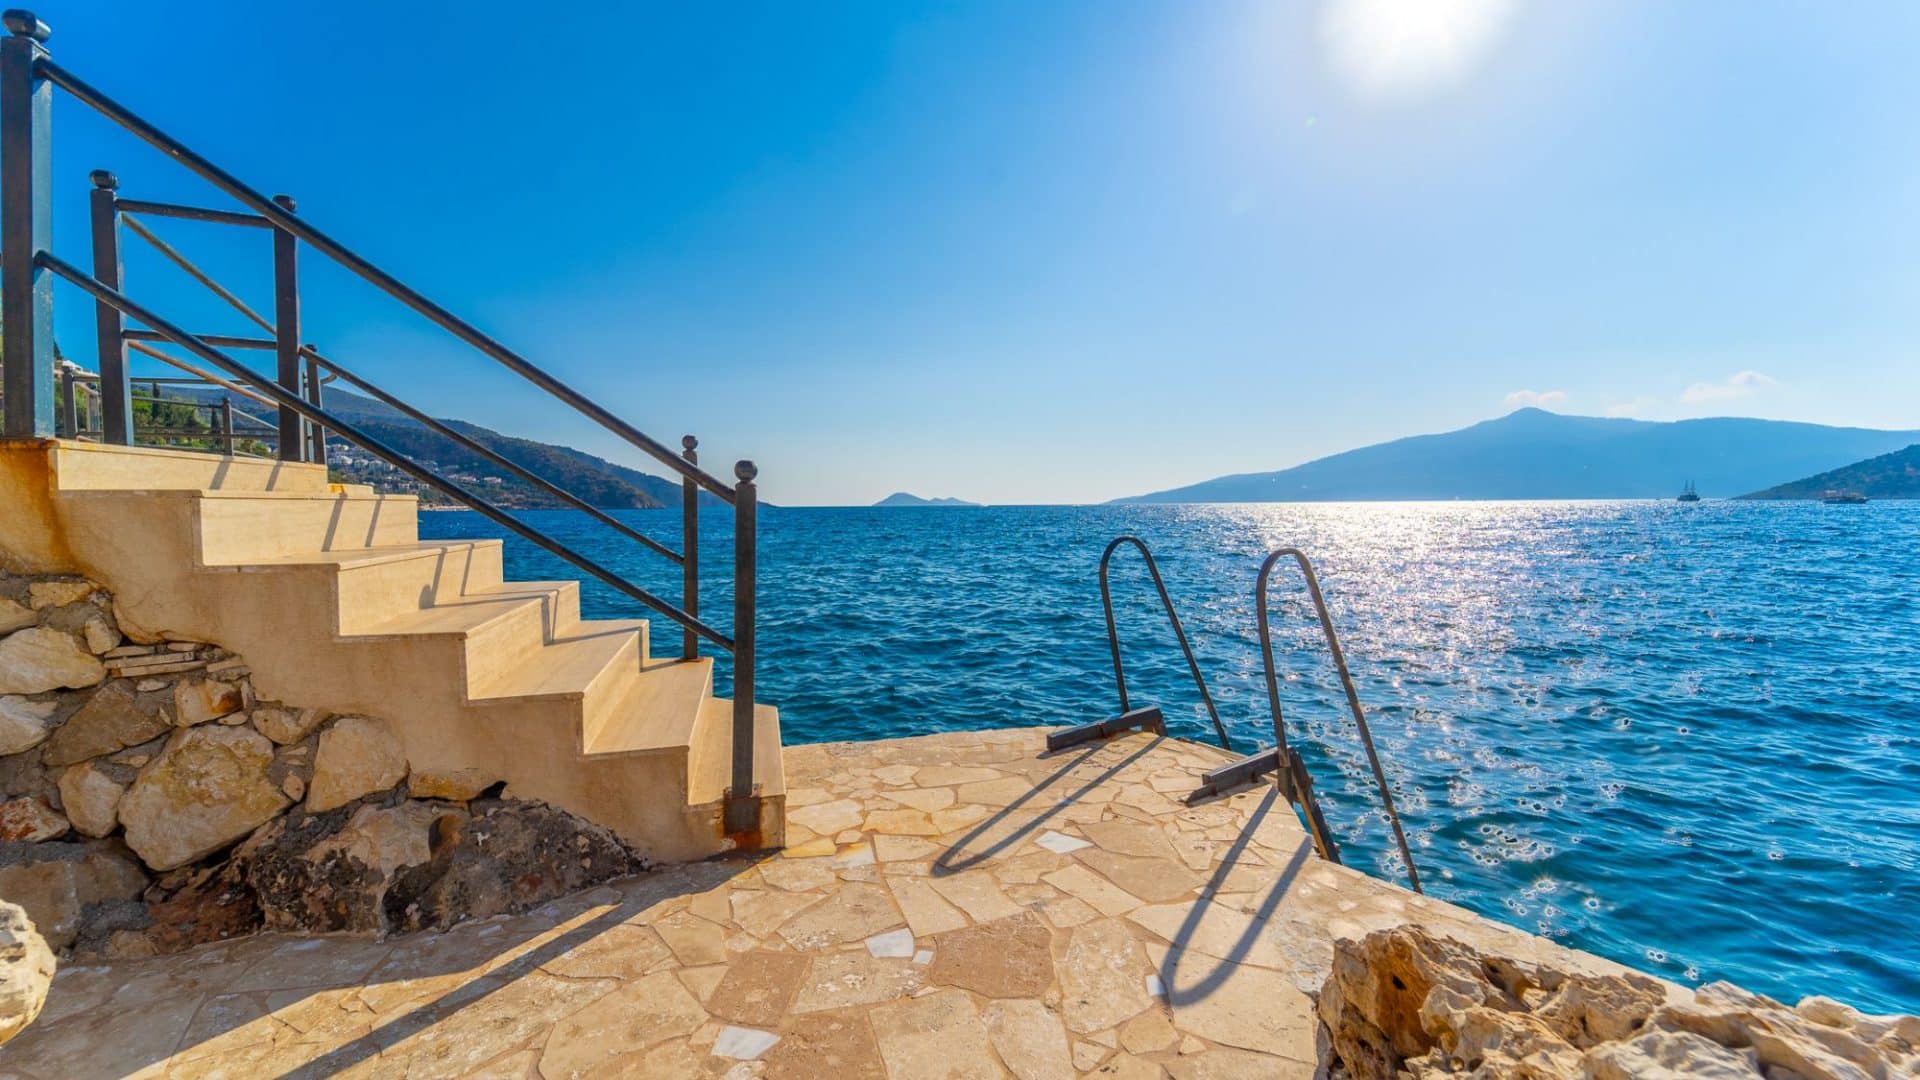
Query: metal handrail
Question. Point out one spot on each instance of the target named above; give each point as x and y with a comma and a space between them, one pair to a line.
288, 400
1166, 601
1346, 682
46, 68
471, 445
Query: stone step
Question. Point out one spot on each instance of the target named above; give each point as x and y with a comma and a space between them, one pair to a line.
711, 767
497, 627
659, 710
371, 587
82, 466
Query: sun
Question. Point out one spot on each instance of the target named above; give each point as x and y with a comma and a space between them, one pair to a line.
1405, 48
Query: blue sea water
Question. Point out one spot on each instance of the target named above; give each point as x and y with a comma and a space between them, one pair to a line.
1683, 736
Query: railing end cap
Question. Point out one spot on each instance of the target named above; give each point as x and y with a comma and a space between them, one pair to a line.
688, 442
23, 23
745, 471
104, 180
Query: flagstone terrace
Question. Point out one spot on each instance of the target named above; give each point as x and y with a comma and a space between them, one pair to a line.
955, 905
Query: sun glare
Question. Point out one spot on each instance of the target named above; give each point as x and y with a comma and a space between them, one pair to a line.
1402, 48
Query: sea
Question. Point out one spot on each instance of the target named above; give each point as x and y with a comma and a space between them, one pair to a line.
1684, 736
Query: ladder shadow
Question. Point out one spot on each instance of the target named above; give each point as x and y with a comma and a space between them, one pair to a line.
1224, 967
953, 861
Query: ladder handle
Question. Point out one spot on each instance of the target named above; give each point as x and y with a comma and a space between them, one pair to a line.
1346, 682
1113, 635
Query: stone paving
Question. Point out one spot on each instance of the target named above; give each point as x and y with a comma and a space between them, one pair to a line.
959, 905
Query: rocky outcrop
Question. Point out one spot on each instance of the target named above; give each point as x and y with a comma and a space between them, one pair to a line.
149, 803
1402, 1003
26, 970
505, 856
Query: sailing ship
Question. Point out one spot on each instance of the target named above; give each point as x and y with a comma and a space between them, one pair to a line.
1687, 494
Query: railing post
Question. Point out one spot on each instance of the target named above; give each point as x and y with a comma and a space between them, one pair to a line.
743, 804
226, 424
116, 416
317, 435
291, 445
26, 229
689, 548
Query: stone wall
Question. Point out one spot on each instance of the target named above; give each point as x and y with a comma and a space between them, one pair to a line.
149, 802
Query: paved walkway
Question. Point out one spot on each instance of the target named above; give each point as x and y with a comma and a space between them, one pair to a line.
950, 906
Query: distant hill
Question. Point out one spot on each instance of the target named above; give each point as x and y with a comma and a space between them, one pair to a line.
1535, 454
594, 480
1889, 476
902, 498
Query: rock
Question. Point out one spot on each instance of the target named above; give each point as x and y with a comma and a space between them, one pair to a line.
1401, 1003
111, 720
328, 872
41, 658
26, 970
358, 756
24, 723
507, 857
197, 701
295, 788
100, 635
23, 776
31, 821
209, 904
284, 725
90, 792
46, 594
208, 788
15, 616
58, 882
454, 785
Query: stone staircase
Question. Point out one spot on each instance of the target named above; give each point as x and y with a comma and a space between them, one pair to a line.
335, 602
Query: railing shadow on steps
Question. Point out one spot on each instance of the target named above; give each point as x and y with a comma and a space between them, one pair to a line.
28, 267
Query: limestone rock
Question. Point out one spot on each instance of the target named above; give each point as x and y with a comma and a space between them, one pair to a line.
1401, 1003
58, 882
31, 821
41, 658
358, 756
26, 970
100, 634
208, 788
24, 723
111, 720
14, 616
285, 725
455, 785
91, 792
331, 871
507, 857
197, 701
49, 594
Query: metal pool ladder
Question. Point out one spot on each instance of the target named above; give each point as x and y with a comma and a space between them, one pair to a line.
1281, 759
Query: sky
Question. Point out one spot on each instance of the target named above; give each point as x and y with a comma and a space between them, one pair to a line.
1048, 252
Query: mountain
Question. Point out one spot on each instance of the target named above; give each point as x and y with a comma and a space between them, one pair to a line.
1889, 476
594, 480
902, 498
1535, 454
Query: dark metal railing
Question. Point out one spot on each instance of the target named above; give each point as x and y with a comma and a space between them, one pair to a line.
1113, 634
1346, 683
302, 424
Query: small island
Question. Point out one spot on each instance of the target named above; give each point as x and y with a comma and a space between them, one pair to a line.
903, 498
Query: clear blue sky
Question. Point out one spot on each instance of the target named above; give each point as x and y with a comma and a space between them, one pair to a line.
1056, 252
